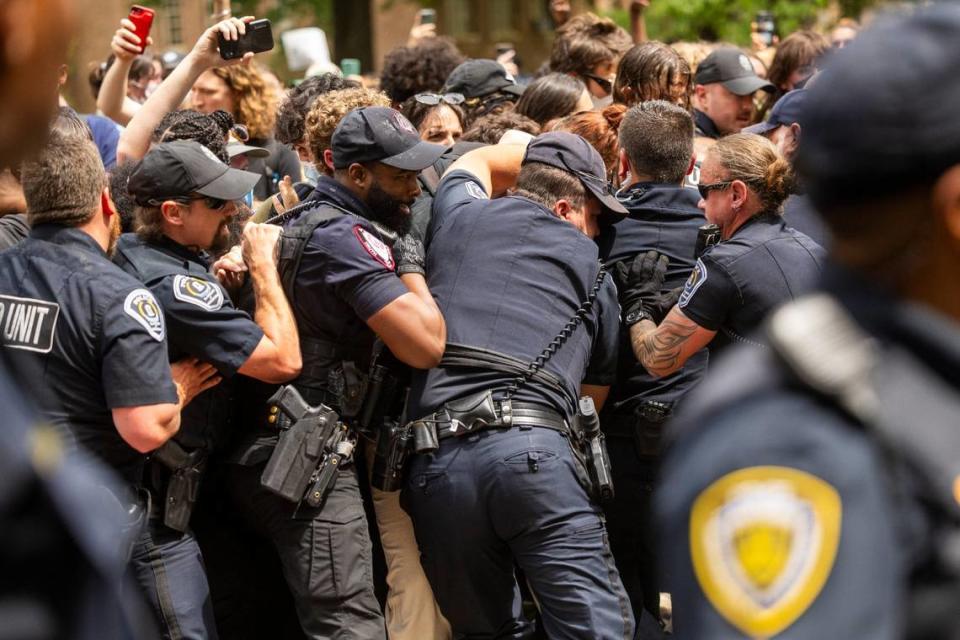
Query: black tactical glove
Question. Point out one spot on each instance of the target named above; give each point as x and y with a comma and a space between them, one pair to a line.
639, 284
410, 256
665, 302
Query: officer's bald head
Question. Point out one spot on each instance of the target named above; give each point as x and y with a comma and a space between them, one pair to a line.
63, 183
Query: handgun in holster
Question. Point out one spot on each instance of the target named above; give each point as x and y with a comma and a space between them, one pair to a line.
301, 445
595, 444
186, 470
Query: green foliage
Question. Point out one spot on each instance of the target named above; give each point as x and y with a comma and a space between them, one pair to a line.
724, 20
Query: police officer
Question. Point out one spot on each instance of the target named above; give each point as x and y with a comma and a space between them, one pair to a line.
185, 197
811, 492
759, 262
347, 286
503, 485
656, 153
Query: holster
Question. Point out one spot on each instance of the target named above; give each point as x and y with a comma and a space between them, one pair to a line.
183, 485
349, 385
644, 426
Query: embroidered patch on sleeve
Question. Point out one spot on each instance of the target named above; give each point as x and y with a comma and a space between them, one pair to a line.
376, 247
142, 307
694, 282
476, 191
763, 542
29, 324
197, 291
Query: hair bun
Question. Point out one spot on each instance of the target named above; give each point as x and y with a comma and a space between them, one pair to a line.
779, 179
613, 114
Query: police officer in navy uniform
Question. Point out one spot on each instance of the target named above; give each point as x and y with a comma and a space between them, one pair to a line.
503, 485
185, 197
759, 262
656, 153
347, 286
811, 490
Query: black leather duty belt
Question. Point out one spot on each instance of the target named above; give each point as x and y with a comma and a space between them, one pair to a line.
510, 413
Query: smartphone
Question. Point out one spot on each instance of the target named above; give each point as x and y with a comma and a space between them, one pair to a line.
428, 16
142, 19
350, 67
766, 27
257, 39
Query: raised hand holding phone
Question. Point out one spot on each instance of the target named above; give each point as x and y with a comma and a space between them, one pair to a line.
258, 37
206, 51
141, 19
126, 44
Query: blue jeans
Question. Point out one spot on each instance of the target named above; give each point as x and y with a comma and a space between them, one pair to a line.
487, 500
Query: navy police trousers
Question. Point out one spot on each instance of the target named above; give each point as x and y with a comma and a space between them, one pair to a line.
489, 499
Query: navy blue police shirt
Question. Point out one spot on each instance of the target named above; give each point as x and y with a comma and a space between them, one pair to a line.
738, 281
346, 275
663, 218
507, 275
201, 322
83, 337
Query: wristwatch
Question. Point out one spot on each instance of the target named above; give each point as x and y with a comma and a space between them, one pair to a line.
636, 316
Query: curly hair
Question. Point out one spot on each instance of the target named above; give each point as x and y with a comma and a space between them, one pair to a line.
255, 99
408, 71
329, 109
490, 128
187, 124
291, 115
600, 129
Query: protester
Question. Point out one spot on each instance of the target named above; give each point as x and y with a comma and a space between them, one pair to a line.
600, 129
290, 128
486, 86
844, 33
798, 58
553, 96
327, 112
589, 48
421, 68
490, 128
127, 78
437, 116
653, 71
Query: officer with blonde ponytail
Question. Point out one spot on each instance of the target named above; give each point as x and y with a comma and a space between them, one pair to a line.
759, 263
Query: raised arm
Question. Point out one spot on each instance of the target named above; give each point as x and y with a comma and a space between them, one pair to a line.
496, 166
135, 140
112, 100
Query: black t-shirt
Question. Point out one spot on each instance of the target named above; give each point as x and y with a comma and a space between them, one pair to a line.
201, 322
282, 161
84, 337
507, 275
738, 281
664, 218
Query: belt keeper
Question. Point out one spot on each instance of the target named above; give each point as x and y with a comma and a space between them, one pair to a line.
506, 413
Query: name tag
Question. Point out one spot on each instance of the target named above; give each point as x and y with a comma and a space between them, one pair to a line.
28, 324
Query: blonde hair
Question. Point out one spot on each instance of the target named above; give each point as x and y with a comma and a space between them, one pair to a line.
255, 99
755, 160
329, 109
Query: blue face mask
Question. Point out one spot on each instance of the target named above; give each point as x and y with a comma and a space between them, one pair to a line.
248, 199
310, 173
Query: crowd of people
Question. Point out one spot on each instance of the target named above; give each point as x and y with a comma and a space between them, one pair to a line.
459, 352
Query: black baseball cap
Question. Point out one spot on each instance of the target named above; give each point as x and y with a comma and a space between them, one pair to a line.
478, 78
381, 134
881, 117
172, 170
731, 68
784, 113
573, 154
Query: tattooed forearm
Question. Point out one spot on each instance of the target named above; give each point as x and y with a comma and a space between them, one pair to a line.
659, 349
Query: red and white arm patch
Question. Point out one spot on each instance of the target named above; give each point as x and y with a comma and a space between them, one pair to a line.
376, 247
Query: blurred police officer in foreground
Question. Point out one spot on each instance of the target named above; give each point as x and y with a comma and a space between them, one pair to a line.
502, 486
347, 286
812, 490
185, 198
656, 151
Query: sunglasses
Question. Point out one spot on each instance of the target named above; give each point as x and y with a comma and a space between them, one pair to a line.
214, 204
605, 83
436, 98
705, 189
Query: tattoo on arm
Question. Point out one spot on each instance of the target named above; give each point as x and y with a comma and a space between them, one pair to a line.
659, 349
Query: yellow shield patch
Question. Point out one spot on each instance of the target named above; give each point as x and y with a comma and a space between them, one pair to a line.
763, 542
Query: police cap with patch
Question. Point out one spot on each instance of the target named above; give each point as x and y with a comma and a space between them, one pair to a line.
173, 170
381, 134
731, 68
883, 115
478, 78
784, 113
573, 154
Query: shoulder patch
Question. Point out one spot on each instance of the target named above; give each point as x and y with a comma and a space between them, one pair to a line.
29, 324
142, 307
763, 542
376, 247
697, 277
476, 191
197, 291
